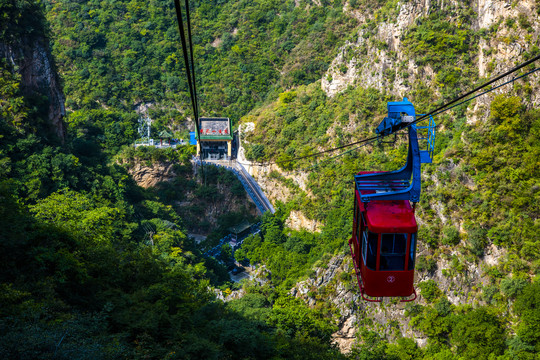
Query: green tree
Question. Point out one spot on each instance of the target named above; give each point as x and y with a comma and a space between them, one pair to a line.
226, 252
79, 215
527, 307
404, 349
12, 106
429, 290
478, 334
272, 229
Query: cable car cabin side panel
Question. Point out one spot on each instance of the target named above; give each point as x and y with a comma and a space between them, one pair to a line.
384, 247
354, 242
383, 281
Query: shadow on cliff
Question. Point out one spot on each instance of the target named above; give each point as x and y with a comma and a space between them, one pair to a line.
24, 46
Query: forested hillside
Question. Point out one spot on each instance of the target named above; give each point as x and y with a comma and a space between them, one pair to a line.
478, 214
94, 266
80, 276
119, 54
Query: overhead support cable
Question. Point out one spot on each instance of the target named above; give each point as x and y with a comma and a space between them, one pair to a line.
190, 74
188, 20
324, 151
509, 72
437, 111
190, 68
314, 166
487, 91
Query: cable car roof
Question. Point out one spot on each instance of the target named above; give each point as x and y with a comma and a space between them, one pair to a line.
396, 216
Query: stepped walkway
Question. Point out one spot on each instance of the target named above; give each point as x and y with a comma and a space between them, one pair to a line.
252, 188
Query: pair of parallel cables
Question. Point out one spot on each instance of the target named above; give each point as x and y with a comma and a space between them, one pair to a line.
435, 112
447, 106
188, 59
190, 68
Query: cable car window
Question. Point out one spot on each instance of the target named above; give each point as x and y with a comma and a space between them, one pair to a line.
412, 252
361, 227
364, 246
393, 251
369, 249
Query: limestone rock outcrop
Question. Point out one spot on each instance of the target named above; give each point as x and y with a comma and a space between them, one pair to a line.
149, 176
32, 58
360, 63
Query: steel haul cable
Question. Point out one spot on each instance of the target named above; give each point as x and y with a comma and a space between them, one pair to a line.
437, 111
487, 91
338, 155
190, 68
189, 74
188, 21
511, 71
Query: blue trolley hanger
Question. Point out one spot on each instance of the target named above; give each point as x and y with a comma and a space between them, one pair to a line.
398, 185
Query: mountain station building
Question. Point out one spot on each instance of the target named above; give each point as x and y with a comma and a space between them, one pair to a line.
215, 139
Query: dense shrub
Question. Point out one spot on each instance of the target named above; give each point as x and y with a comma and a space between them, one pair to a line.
429, 290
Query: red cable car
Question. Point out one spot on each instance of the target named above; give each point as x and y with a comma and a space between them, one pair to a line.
383, 246
383, 242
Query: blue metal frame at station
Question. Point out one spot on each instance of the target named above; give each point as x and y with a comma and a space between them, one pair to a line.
398, 185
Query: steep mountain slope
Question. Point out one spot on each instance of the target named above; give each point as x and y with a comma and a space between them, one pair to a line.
79, 276
120, 54
24, 51
479, 211
307, 76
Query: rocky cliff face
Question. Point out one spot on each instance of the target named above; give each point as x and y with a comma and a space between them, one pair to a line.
278, 185
336, 283
32, 58
149, 176
200, 215
514, 33
359, 63
377, 57
511, 31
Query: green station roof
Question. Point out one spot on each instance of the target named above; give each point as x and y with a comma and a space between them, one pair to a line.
165, 134
215, 137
